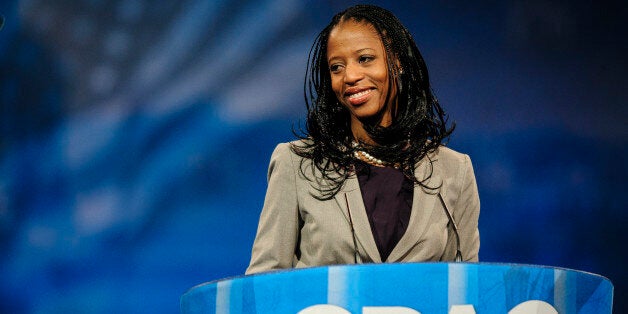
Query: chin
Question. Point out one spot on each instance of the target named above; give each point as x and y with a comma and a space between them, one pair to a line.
366, 111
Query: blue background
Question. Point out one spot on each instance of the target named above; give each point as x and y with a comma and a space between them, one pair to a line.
135, 136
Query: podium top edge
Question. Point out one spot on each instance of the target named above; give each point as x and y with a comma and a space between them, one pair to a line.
482, 264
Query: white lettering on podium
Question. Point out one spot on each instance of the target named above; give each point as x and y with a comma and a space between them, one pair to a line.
533, 306
462, 309
388, 310
324, 309
527, 307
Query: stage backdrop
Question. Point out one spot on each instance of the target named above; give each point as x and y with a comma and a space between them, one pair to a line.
135, 136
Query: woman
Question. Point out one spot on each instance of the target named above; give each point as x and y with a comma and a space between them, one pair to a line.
370, 181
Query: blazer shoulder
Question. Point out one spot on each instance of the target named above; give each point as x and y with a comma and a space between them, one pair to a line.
284, 151
284, 154
451, 162
447, 155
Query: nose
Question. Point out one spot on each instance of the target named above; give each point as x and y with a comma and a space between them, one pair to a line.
353, 74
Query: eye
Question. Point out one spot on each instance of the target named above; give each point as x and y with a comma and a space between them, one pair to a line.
366, 58
335, 68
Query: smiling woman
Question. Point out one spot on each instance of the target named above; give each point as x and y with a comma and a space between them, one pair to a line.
369, 180
359, 74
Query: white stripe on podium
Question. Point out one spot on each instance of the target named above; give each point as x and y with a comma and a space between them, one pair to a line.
459, 291
564, 292
223, 294
338, 286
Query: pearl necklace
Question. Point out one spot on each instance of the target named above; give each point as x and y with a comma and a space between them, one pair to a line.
364, 156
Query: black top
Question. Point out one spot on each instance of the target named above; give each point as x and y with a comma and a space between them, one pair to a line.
387, 196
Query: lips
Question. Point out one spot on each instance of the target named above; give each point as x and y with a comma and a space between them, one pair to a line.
358, 95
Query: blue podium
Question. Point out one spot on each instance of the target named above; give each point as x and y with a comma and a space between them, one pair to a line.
407, 288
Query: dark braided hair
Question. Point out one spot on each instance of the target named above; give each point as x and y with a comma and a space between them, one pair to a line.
419, 124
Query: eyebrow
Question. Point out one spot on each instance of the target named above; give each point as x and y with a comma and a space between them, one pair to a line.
357, 51
362, 50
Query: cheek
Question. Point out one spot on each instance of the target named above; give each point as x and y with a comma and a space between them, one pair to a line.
336, 86
383, 82
384, 77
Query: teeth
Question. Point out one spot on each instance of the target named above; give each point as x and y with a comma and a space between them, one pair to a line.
362, 93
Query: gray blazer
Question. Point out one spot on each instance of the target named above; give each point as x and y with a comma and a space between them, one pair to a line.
297, 230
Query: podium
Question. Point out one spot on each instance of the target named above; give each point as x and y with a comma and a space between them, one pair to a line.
406, 288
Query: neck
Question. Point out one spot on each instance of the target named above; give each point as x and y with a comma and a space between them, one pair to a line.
360, 134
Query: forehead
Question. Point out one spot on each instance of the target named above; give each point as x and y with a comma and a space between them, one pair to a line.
352, 36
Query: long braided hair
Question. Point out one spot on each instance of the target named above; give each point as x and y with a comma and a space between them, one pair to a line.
419, 124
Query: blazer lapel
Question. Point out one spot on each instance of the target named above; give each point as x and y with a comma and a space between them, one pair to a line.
423, 202
361, 225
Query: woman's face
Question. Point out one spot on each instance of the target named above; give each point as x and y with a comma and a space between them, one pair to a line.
359, 72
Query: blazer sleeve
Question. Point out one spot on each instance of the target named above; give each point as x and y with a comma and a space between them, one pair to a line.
467, 213
277, 232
